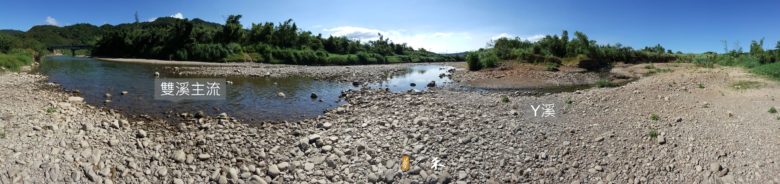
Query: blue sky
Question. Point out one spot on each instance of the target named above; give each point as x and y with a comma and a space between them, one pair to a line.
449, 25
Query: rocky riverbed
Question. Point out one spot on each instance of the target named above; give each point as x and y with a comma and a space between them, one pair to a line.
690, 125
353, 73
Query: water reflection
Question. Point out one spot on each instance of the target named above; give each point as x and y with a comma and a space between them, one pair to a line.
250, 99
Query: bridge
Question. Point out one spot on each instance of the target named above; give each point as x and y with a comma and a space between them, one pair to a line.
72, 48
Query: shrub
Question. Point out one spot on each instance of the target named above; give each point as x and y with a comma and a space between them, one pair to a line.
770, 70
472, 60
654, 117
504, 99
604, 83
652, 133
592, 64
772, 110
550, 66
489, 59
16, 59
238, 57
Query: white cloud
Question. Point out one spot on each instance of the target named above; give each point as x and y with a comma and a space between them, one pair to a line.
51, 21
532, 38
178, 15
441, 42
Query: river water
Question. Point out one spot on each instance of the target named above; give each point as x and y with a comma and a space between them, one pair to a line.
249, 99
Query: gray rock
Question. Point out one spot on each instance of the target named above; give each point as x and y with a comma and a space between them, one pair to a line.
314, 137
661, 140
89, 172
222, 179
233, 173
204, 156
283, 166
373, 178
124, 92
273, 170
179, 156
141, 134
327, 148
715, 167
599, 139
462, 175
327, 125
178, 181
308, 166
162, 172
115, 124
75, 99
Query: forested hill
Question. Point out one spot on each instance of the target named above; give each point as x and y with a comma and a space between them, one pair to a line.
182, 39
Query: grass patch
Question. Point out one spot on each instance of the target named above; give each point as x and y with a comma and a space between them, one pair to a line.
504, 99
772, 110
744, 84
701, 86
550, 66
650, 66
51, 110
770, 70
14, 61
652, 133
604, 83
654, 117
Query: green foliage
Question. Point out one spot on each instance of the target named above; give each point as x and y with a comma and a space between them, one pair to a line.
488, 59
772, 110
652, 133
770, 70
591, 56
604, 83
51, 110
177, 39
16, 58
654, 117
551, 66
504, 99
472, 60
744, 85
701, 86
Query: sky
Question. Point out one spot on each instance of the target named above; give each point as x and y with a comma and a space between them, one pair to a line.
448, 26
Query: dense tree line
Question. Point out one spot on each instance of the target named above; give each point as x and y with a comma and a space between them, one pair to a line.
554, 49
182, 39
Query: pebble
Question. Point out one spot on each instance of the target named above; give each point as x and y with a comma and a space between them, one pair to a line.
661, 140
179, 156
204, 156
141, 134
75, 99
283, 166
273, 170
308, 166
715, 167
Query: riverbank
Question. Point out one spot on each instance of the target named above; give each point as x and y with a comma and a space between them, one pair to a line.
346, 73
690, 125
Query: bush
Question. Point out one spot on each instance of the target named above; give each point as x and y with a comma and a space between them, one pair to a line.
593, 65
550, 66
603, 83
472, 60
770, 70
238, 57
489, 59
15, 59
